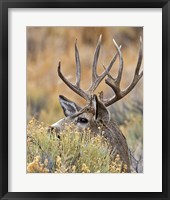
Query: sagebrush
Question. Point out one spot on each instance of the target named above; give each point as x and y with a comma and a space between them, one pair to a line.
72, 152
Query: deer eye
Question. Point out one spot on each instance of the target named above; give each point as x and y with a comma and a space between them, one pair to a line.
82, 120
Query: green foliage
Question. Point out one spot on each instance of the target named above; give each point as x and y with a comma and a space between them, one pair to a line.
133, 127
73, 152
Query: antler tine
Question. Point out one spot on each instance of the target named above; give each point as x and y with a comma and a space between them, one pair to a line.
119, 76
140, 57
115, 83
96, 56
78, 65
137, 76
75, 88
98, 78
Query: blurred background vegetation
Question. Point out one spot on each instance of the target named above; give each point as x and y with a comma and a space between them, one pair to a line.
46, 46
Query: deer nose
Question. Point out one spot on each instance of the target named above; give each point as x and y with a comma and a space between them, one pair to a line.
52, 129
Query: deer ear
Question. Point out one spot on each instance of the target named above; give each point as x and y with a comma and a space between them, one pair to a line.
101, 112
69, 107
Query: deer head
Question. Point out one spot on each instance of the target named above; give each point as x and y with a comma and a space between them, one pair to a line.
95, 114
91, 116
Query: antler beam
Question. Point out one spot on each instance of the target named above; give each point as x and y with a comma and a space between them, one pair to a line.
75, 87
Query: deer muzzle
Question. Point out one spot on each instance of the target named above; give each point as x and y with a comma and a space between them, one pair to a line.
56, 127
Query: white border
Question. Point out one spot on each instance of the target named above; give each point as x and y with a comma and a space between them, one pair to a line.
151, 179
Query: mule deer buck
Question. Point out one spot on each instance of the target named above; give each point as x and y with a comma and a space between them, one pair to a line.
95, 114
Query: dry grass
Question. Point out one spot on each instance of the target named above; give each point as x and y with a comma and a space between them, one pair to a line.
74, 152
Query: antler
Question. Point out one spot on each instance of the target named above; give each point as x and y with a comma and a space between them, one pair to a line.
96, 79
115, 83
76, 87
